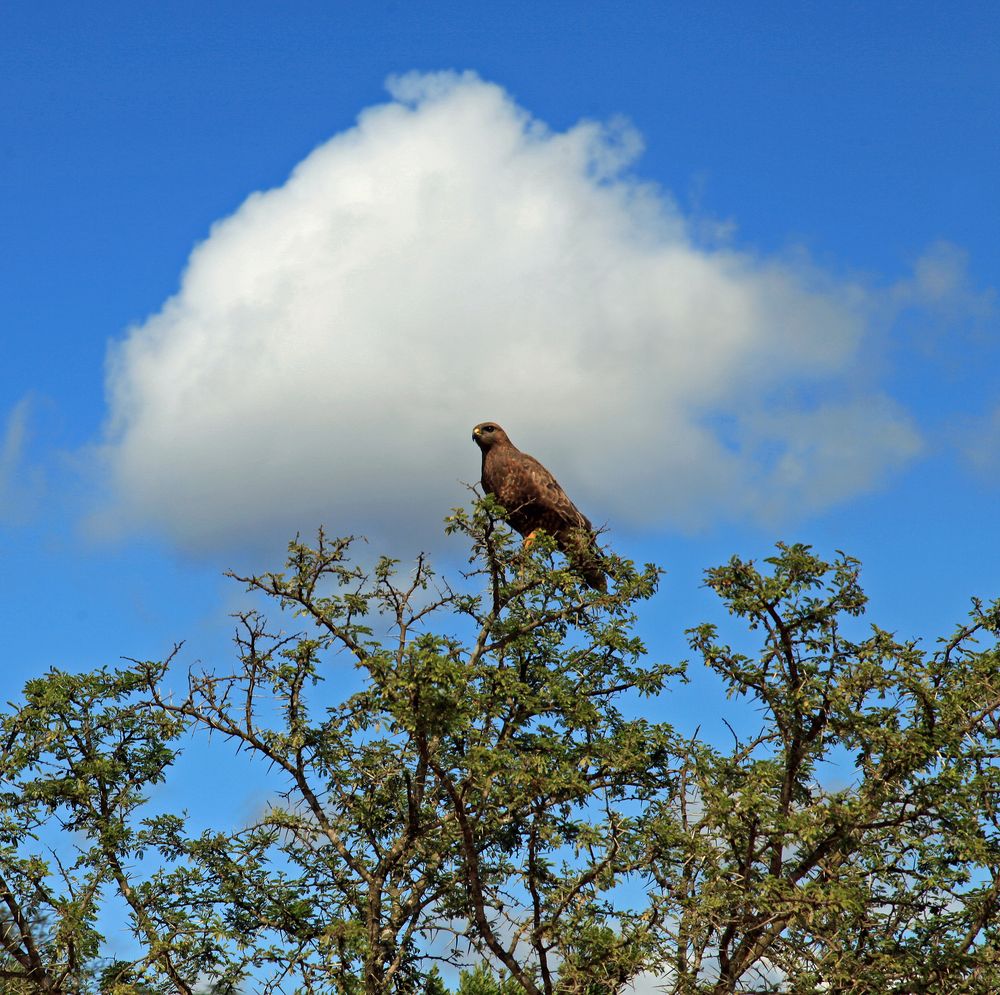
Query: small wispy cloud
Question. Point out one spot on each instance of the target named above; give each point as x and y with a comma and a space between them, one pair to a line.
20, 483
978, 441
941, 282
450, 259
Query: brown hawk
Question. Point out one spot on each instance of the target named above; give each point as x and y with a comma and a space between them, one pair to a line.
534, 500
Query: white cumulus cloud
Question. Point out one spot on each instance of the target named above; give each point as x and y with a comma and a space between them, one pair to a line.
450, 259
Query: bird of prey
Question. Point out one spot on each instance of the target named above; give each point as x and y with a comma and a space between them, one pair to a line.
534, 500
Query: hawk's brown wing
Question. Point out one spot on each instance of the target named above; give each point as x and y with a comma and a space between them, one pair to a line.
531, 495
534, 500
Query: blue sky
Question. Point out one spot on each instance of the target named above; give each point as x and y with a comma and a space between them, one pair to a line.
753, 299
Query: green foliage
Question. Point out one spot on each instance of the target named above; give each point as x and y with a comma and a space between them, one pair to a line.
478, 793
434, 983
482, 980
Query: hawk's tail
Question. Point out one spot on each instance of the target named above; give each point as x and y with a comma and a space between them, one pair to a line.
595, 578
585, 559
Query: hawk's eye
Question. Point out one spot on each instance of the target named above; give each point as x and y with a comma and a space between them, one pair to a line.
489, 428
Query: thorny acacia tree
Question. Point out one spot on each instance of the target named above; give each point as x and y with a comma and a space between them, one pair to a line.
79, 756
468, 796
852, 844
480, 795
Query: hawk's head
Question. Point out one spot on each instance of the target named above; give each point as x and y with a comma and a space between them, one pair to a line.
487, 434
